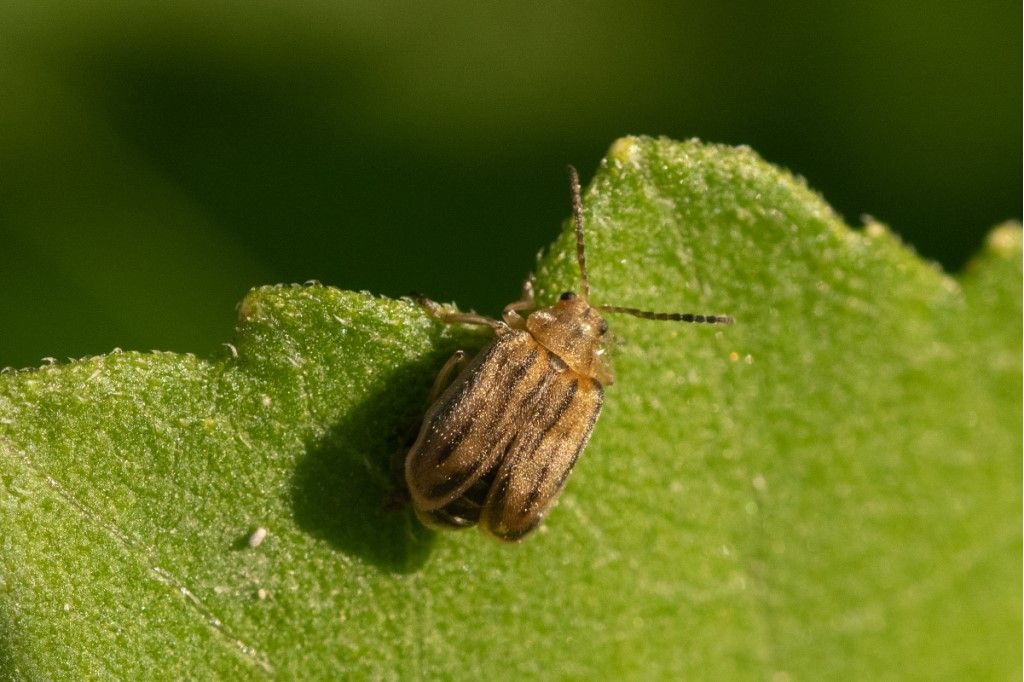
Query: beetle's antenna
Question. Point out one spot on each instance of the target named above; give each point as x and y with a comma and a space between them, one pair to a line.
577, 213
581, 257
673, 317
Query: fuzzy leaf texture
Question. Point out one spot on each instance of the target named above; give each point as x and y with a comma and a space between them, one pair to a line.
828, 489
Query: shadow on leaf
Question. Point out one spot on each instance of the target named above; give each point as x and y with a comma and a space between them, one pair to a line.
347, 489
9, 669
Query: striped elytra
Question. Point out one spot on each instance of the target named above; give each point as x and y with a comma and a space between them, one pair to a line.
500, 438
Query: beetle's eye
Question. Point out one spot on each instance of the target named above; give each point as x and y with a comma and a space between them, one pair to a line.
602, 328
567, 296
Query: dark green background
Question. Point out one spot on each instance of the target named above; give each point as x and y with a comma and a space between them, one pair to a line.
156, 162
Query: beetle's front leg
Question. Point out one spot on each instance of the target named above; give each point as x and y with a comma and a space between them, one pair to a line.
511, 312
456, 363
438, 312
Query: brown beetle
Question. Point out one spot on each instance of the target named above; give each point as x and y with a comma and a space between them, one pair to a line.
499, 441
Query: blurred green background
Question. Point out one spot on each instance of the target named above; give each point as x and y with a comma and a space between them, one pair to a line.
158, 160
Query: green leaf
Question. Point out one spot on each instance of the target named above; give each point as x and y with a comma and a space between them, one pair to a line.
830, 488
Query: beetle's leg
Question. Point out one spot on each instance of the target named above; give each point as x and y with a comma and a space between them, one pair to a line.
462, 512
511, 312
456, 363
438, 312
444, 520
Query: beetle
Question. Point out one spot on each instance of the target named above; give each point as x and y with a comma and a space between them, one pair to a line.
505, 428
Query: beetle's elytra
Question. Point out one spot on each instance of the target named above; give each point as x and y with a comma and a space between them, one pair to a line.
499, 440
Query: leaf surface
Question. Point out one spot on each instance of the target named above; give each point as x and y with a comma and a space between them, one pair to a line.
828, 488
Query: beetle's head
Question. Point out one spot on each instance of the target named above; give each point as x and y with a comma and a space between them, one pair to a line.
572, 330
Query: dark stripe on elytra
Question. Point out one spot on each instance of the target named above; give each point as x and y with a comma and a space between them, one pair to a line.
445, 444
520, 372
568, 470
570, 394
448, 445
499, 489
456, 479
535, 493
444, 487
563, 406
532, 397
504, 413
444, 410
447, 448
594, 412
